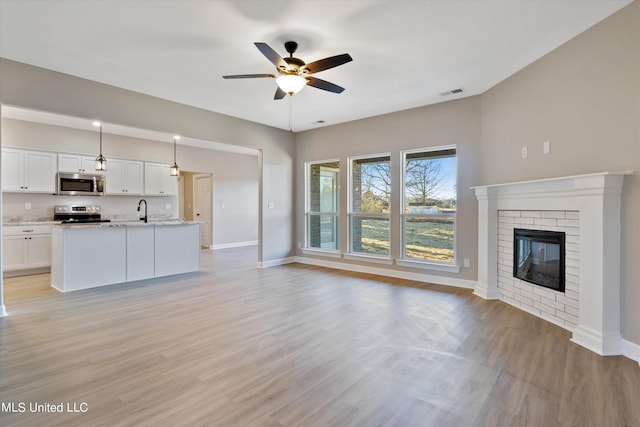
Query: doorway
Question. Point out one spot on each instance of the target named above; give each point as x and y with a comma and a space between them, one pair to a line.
196, 200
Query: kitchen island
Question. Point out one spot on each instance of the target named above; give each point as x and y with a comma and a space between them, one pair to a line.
91, 255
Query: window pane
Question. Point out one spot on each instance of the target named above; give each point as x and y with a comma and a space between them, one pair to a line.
429, 238
322, 194
323, 187
370, 235
323, 231
371, 185
430, 198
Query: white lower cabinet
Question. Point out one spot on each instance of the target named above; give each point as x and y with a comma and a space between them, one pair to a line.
175, 251
87, 257
90, 256
26, 247
140, 259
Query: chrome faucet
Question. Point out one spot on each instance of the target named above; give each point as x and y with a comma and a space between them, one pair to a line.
144, 218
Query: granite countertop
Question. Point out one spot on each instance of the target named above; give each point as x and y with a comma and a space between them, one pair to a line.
22, 223
114, 224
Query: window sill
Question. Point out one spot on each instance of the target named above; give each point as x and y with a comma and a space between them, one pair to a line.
449, 268
368, 258
321, 252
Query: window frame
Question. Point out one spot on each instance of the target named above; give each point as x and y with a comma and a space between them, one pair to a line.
351, 254
308, 213
404, 260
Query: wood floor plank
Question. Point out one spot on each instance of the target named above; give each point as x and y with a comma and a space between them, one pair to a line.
297, 345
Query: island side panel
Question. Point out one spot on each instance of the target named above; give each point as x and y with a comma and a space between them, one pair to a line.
140, 253
177, 249
93, 256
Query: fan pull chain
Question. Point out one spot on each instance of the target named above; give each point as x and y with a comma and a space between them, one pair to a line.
290, 112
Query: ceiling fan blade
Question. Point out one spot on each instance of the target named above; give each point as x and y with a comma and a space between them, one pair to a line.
324, 85
326, 63
248, 76
279, 94
272, 55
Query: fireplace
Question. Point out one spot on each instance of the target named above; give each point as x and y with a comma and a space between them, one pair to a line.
539, 257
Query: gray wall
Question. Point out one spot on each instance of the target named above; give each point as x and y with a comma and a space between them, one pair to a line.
584, 98
456, 122
39, 89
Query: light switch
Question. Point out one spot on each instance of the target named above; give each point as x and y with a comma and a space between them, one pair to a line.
270, 205
545, 147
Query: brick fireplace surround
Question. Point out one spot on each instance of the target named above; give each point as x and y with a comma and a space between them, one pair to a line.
587, 208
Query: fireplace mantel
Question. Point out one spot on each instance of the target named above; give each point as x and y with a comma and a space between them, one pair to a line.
597, 199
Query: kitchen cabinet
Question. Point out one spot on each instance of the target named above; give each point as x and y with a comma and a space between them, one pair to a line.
28, 171
124, 177
77, 163
158, 180
26, 247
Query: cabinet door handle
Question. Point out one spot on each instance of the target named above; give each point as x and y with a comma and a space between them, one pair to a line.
27, 231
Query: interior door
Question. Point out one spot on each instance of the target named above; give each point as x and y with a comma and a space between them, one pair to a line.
203, 206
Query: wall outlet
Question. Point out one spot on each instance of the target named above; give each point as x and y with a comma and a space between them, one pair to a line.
222, 205
299, 245
467, 262
545, 147
27, 206
524, 152
167, 205
271, 205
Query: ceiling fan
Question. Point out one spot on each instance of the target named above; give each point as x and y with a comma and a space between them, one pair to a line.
294, 73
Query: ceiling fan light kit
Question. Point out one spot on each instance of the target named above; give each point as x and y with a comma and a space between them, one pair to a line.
291, 83
293, 73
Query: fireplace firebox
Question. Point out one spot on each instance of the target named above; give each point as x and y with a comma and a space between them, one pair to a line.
538, 257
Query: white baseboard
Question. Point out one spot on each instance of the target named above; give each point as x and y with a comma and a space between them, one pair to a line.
233, 245
276, 262
3, 311
631, 350
398, 274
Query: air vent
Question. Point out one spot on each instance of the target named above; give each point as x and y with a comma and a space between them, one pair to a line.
452, 92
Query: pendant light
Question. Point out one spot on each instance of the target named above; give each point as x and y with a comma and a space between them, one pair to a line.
101, 162
174, 170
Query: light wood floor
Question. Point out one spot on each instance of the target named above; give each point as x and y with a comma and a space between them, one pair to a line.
297, 346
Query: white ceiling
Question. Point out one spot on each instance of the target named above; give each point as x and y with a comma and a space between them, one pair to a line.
406, 52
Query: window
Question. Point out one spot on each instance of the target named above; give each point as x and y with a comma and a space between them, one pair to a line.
429, 205
370, 192
322, 205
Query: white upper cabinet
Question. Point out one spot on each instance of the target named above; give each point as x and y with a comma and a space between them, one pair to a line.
28, 171
77, 163
124, 177
158, 180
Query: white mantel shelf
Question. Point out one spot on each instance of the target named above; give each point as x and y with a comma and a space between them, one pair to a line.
597, 199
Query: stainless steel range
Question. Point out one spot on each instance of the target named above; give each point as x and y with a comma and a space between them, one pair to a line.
77, 214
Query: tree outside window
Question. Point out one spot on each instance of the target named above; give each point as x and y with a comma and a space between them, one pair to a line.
370, 202
429, 201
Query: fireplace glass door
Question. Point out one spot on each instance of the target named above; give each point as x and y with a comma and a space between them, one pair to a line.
538, 257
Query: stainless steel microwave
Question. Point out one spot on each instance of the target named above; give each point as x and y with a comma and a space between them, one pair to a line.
80, 184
